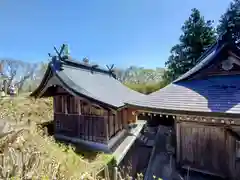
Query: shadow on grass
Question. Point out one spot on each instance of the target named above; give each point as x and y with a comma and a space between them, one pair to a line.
47, 127
81, 150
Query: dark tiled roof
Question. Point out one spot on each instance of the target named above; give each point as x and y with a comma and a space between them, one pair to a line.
92, 82
216, 94
204, 60
98, 85
209, 55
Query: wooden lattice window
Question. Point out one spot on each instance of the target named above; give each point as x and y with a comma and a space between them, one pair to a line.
238, 149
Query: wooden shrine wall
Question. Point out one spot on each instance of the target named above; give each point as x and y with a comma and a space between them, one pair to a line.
73, 105
207, 148
131, 117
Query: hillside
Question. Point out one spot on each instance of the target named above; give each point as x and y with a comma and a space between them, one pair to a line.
139, 75
28, 151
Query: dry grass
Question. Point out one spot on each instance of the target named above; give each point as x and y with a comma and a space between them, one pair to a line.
27, 153
24, 110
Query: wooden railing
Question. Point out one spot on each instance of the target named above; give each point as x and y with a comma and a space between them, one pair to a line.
87, 127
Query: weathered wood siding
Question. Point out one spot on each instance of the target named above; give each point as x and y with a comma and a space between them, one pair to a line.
91, 128
115, 122
216, 69
76, 117
73, 105
233, 164
207, 148
131, 117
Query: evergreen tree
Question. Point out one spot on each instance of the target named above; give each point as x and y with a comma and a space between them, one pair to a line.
230, 19
197, 36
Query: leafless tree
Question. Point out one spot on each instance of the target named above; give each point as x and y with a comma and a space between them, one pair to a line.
17, 71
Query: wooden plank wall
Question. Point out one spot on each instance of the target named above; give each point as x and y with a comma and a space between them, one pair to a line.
111, 124
91, 128
131, 118
67, 108
207, 148
72, 105
234, 163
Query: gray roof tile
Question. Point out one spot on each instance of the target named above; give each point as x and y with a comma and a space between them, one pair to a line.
100, 86
216, 94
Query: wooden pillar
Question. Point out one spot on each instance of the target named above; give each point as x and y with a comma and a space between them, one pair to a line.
136, 116
89, 109
178, 142
114, 123
106, 120
54, 104
125, 118
65, 104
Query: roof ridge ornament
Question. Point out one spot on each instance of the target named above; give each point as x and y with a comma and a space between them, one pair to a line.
93, 67
111, 69
60, 57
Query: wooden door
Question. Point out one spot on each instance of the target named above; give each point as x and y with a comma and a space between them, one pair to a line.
203, 148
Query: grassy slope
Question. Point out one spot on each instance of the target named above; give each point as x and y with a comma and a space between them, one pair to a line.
27, 152
145, 88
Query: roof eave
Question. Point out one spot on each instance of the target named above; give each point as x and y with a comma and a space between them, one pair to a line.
202, 63
183, 112
77, 93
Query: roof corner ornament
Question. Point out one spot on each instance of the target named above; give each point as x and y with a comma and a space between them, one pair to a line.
111, 70
62, 55
55, 64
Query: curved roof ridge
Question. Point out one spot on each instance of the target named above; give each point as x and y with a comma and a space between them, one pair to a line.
94, 67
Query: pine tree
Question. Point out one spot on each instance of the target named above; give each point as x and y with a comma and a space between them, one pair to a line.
230, 19
197, 36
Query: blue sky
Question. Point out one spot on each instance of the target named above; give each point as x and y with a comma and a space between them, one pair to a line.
123, 32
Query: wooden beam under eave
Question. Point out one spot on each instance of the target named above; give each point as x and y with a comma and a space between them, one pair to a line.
153, 113
208, 120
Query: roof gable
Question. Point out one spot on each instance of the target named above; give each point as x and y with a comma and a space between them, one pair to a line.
217, 52
226, 63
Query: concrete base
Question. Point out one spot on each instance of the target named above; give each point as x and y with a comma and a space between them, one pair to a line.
123, 142
123, 148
